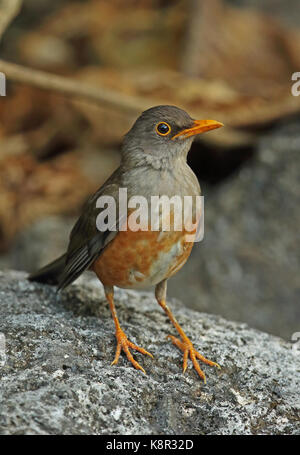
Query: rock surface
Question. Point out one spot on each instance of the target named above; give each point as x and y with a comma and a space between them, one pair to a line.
56, 376
247, 266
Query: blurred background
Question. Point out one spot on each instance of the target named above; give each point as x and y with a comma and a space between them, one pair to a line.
231, 60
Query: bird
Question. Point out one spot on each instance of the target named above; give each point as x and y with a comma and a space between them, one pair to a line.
153, 163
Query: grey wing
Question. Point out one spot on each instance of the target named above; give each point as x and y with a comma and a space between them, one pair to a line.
86, 241
81, 258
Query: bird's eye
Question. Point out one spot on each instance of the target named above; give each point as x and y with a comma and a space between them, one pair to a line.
163, 128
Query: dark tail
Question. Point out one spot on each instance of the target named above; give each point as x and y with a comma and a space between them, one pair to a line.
50, 274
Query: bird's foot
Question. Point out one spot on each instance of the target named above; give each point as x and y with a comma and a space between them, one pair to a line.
125, 344
188, 350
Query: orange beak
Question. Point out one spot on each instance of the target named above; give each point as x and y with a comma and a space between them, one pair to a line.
199, 126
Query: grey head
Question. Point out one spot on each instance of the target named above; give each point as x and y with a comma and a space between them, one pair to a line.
161, 135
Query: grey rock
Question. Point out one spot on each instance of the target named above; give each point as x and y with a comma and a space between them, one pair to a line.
56, 376
40, 243
247, 267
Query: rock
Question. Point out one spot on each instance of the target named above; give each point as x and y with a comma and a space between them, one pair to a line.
56, 376
40, 243
247, 266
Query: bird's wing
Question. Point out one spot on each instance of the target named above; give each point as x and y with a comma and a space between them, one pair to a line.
86, 241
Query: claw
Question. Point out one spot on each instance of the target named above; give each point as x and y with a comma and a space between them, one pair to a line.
188, 349
125, 344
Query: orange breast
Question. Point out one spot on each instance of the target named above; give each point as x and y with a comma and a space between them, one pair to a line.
142, 258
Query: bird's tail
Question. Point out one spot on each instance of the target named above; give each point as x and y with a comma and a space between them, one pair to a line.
50, 274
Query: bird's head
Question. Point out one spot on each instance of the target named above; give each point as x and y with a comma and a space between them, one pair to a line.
162, 134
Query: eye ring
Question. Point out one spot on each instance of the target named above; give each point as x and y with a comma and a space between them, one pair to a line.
163, 128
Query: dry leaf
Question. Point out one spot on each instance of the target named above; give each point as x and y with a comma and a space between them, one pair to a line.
30, 189
8, 10
201, 98
250, 51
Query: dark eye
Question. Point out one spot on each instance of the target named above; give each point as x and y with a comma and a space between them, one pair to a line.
163, 128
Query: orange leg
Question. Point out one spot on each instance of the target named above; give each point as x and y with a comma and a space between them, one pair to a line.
185, 343
122, 340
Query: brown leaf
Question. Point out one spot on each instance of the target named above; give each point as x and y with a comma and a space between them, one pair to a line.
250, 51
8, 10
201, 98
30, 189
